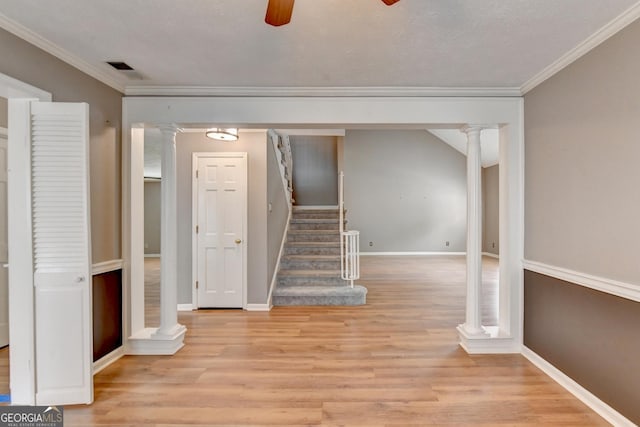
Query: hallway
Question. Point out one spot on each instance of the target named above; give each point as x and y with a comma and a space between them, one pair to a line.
395, 361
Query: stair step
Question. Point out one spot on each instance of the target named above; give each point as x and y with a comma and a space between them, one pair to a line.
309, 262
315, 226
311, 250
313, 236
319, 295
311, 281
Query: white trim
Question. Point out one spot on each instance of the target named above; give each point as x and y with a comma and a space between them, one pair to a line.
414, 253
274, 278
315, 91
311, 132
106, 266
185, 307
584, 395
313, 207
12, 88
602, 284
107, 359
600, 36
194, 220
60, 53
490, 255
143, 343
152, 255
259, 307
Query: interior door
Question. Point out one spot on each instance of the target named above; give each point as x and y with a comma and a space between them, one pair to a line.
4, 245
220, 229
61, 252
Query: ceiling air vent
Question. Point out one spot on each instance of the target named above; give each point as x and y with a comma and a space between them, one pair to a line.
126, 69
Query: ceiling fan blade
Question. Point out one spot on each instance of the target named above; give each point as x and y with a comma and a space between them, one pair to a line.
390, 2
279, 12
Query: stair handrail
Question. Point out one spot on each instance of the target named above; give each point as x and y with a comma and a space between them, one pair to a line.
349, 241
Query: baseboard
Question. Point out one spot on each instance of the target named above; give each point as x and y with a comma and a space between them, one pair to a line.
185, 307
274, 278
490, 255
108, 359
410, 253
602, 284
259, 307
584, 395
152, 255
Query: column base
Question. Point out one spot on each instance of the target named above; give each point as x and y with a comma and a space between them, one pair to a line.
489, 340
148, 342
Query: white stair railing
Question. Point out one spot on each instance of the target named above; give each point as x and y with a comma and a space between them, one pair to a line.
349, 242
282, 148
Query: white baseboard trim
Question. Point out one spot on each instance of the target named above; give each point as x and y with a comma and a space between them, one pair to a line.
106, 266
410, 253
274, 278
108, 359
490, 255
259, 307
602, 284
152, 255
584, 395
185, 307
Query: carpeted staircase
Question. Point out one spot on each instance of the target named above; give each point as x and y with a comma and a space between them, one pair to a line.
310, 266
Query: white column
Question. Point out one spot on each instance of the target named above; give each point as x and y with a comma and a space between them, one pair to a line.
169, 326
473, 322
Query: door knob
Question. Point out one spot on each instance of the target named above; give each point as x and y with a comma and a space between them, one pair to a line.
238, 241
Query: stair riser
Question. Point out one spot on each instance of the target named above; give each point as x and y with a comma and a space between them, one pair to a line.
310, 281
291, 250
296, 264
328, 237
318, 300
315, 216
312, 226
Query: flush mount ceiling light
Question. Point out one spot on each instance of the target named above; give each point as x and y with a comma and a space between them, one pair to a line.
219, 134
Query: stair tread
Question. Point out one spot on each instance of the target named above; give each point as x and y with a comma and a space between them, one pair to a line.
309, 273
318, 244
335, 257
316, 221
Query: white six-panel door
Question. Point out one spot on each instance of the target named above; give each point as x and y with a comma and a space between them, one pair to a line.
221, 206
61, 252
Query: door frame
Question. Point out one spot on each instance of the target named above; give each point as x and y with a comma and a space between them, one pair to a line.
194, 220
21, 291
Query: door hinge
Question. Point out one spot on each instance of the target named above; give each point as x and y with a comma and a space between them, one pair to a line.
197, 229
197, 284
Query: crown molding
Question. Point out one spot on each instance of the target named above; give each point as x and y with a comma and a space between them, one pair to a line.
60, 53
604, 33
312, 91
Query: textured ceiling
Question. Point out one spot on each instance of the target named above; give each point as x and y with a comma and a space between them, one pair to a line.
329, 43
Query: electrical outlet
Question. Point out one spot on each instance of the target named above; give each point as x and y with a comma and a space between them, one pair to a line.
446, 243
370, 243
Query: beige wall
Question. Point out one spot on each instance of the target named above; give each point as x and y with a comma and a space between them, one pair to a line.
3, 112
490, 207
581, 189
255, 145
31, 65
152, 208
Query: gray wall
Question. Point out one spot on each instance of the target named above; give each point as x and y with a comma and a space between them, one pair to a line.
405, 191
582, 206
152, 209
31, 65
315, 170
3, 112
490, 209
278, 214
255, 145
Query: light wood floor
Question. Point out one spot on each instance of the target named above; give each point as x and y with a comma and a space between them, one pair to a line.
395, 361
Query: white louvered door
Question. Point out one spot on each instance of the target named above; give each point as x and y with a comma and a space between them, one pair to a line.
61, 252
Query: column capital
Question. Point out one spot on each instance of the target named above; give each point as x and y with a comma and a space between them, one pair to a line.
473, 128
168, 128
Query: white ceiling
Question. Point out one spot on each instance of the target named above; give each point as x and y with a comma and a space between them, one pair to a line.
329, 43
